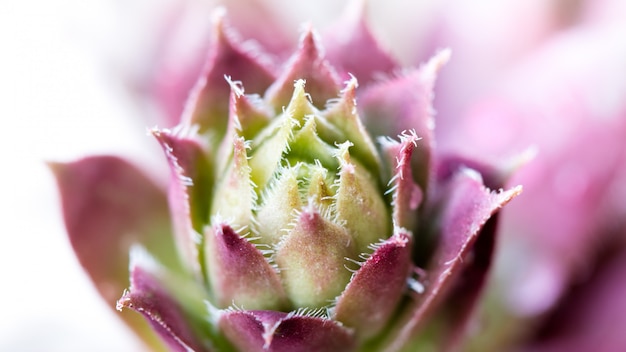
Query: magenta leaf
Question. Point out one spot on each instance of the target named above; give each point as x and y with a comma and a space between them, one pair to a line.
228, 57
494, 177
239, 272
462, 257
108, 205
184, 38
308, 64
351, 35
376, 288
407, 196
277, 332
173, 305
405, 103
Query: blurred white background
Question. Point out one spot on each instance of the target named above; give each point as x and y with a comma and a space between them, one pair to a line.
60, 98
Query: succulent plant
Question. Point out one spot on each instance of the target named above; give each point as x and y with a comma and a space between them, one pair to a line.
309, 215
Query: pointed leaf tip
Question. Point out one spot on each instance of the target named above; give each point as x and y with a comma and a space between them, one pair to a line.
278, 203
407, 195
239, 273
149, 295
311, 258
375, 290
310, 65
235, 196
405, 102
343, 115
359, 202
208, 103
247, 113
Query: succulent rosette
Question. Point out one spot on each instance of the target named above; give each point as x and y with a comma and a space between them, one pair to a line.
303, 213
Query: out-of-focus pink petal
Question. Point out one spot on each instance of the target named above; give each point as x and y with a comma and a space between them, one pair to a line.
592, 317
261, 22
600, 12
108, 205
180, 52
228, 57
258, 331
487, 38
558, 217
461, 261
185, 39
573, 79
573, 114
352, 49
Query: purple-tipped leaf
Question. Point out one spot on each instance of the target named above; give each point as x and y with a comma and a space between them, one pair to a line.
209, 100
467, 206
311, 257
376, 288
310, 65
172, 305
405, 103
407, 196
239, 273
247, 115
107, 206
269, 331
